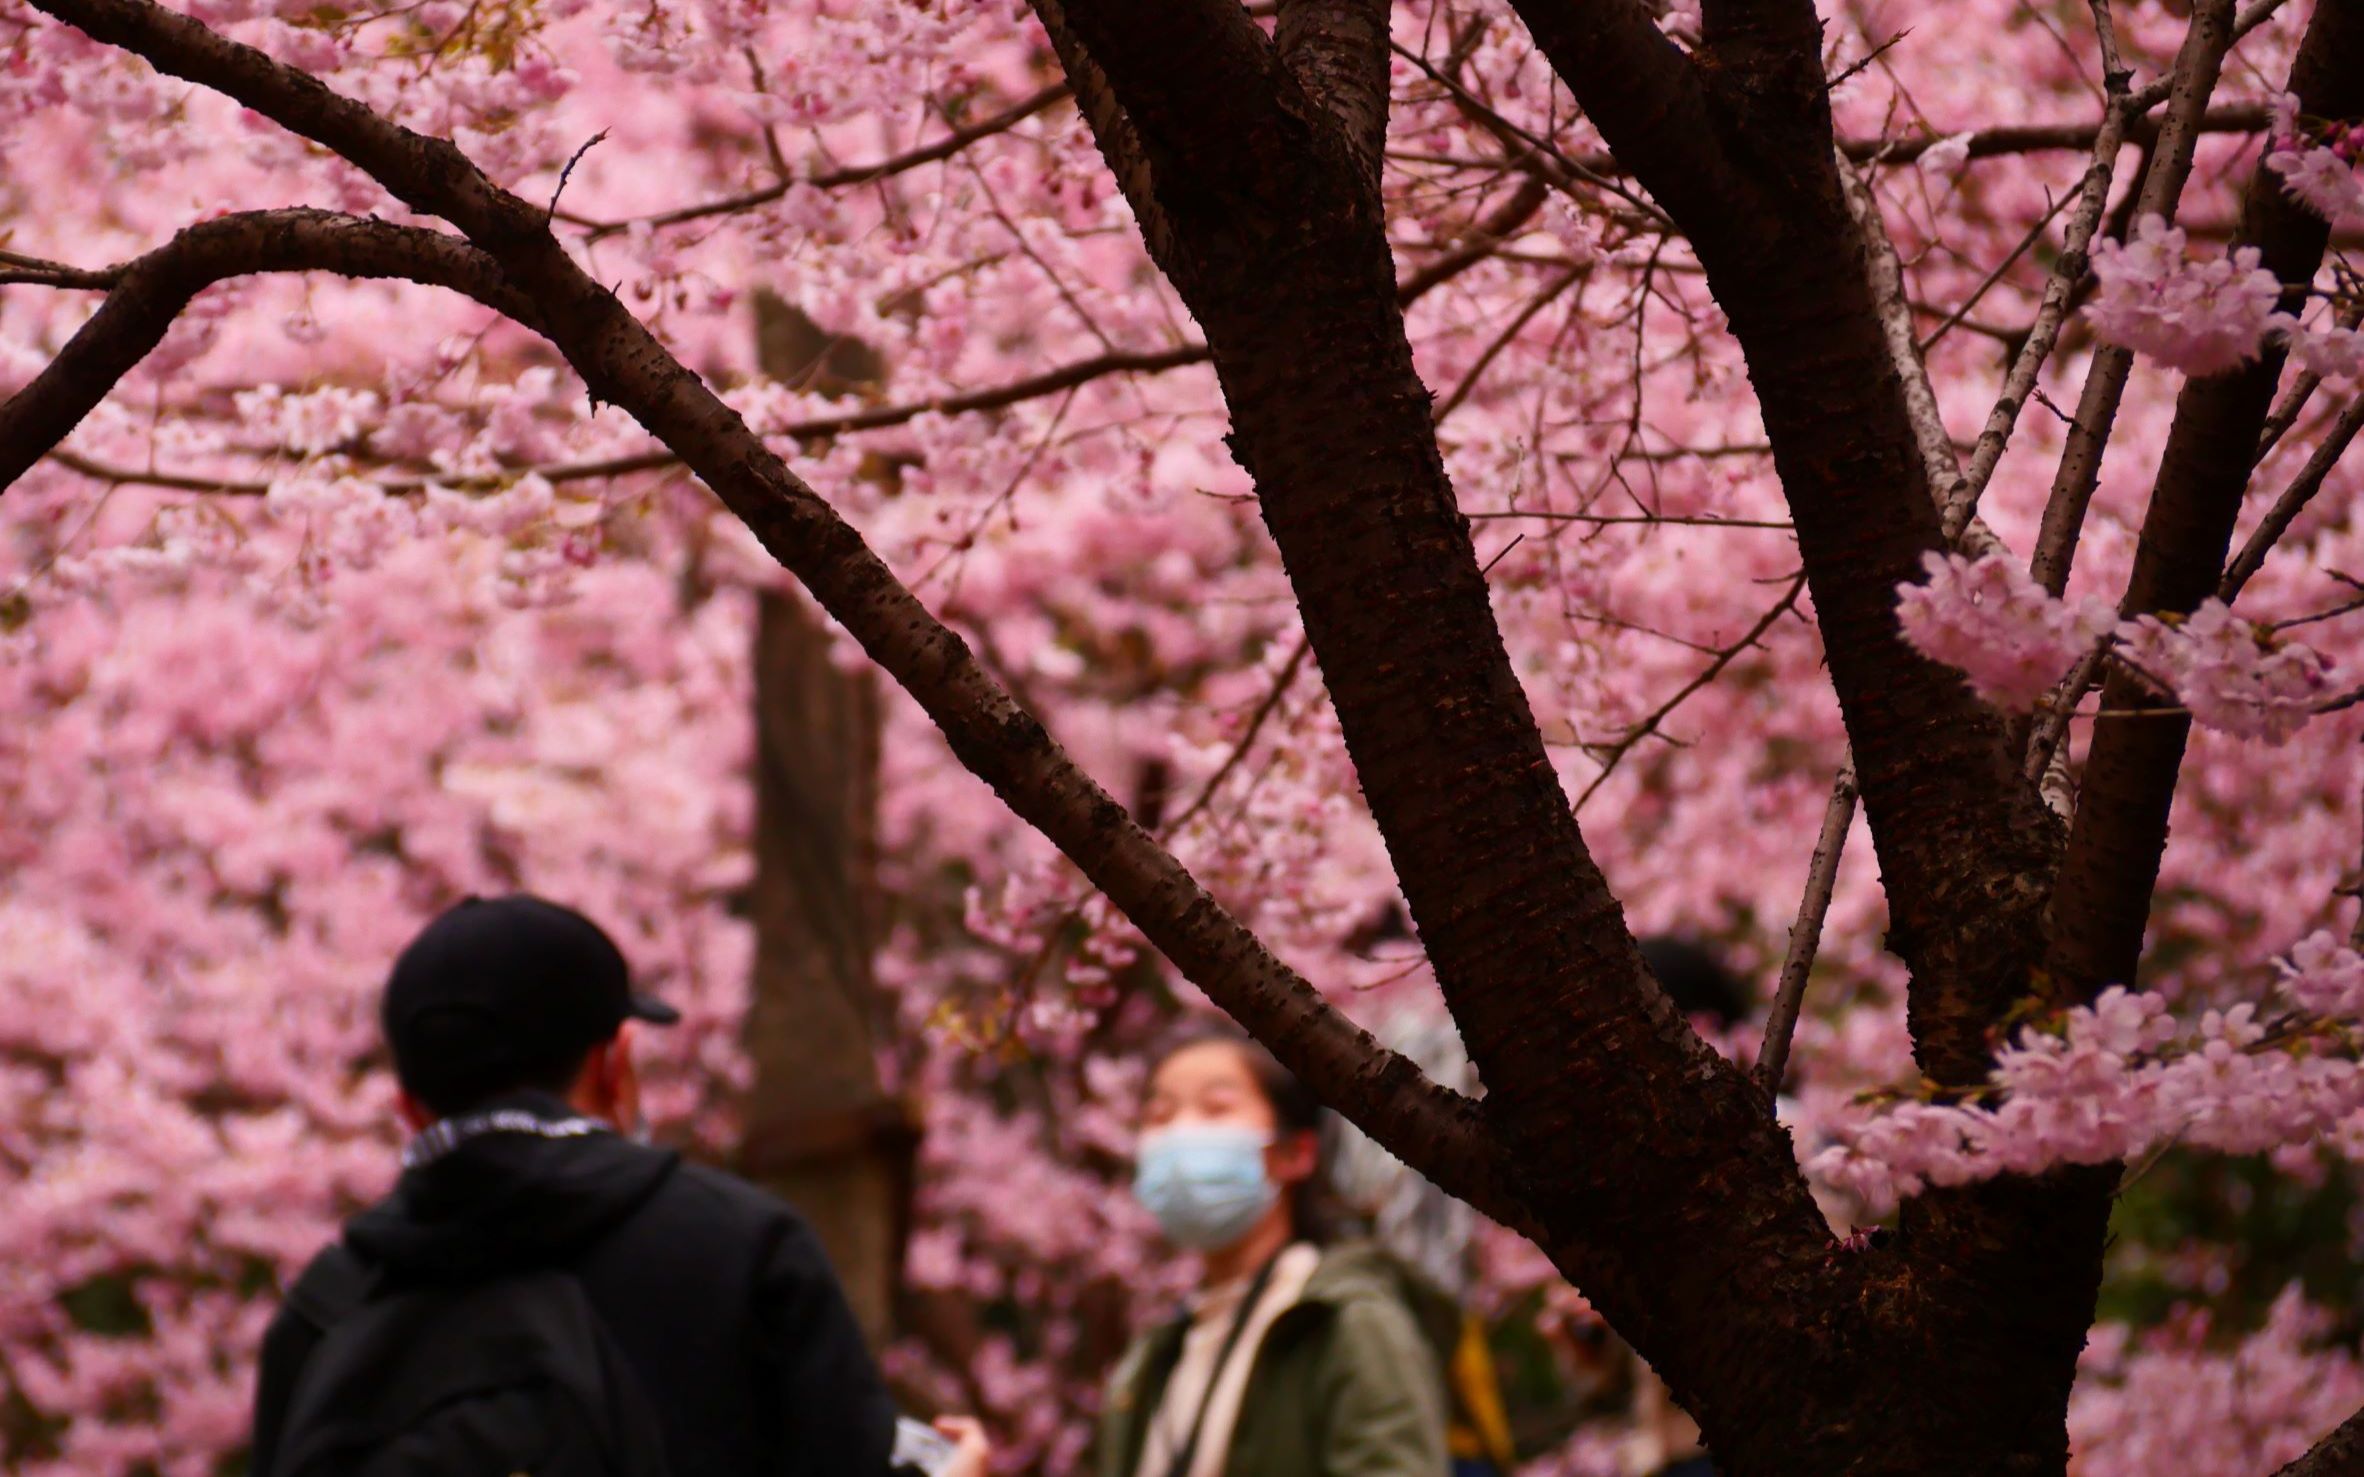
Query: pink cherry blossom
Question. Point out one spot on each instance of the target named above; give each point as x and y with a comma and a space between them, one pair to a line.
2324, 179
2230, 674
2199, 317
2009, 636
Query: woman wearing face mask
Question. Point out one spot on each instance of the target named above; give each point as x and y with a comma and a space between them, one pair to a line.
1293, 1359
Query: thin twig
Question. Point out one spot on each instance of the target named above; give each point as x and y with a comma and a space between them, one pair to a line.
2293, 500
1493, 350
569, 173
859, 174
1516, 539
1616, 751
1566, 173
1645, 519
1805, 935
2197, 66
1849, 72
2035, 233
1281, 683
2052, 308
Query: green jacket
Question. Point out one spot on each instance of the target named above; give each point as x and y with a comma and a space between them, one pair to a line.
1345, 1384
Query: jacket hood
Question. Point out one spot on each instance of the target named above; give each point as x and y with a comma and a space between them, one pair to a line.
523, 1181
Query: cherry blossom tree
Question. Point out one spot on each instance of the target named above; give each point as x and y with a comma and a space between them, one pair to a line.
1394, 499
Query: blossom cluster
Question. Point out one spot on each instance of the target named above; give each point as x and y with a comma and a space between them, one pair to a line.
2234, 677
2317, 161
2014, 642
2123, 1077
2205, 317
2202, 318
2202, 1400
2006, 633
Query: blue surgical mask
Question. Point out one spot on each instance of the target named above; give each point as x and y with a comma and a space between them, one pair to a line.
1205, 1182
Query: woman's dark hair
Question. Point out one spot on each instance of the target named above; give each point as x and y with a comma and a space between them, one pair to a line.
1314, 1211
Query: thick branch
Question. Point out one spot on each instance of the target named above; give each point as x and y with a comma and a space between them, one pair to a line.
146, 295
1436, 1131
1740, 149
1119, 142
2340, 1454
1646, 99
1337, 50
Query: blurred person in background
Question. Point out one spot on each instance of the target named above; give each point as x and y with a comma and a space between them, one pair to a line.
545, 1291
1299, 1355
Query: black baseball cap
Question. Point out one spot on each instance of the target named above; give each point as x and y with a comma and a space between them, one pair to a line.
505, 985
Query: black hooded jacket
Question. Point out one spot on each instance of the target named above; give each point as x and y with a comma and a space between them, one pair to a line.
718, 1294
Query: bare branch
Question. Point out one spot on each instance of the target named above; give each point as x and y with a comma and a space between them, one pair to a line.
1502, 340
1612, 754
1505, 221
2038, 138
2052, 307
1285, 679
1647, 520
1481, 244
2293, 501
33, 271
146, 295
1947, 486
837, 179
1805, 935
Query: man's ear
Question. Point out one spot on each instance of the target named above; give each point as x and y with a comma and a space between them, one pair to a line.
608, 1086
624, 1078
414, 1114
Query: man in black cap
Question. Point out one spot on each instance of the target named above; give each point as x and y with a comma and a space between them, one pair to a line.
511, 1025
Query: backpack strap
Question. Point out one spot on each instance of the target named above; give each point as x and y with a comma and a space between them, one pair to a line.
334, 1285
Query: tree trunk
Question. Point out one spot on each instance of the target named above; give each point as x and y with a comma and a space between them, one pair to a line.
821, 1129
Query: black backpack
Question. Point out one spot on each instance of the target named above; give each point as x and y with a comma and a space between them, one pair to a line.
512, 1376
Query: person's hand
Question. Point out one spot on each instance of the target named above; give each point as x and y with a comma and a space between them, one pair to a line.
975, 1452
